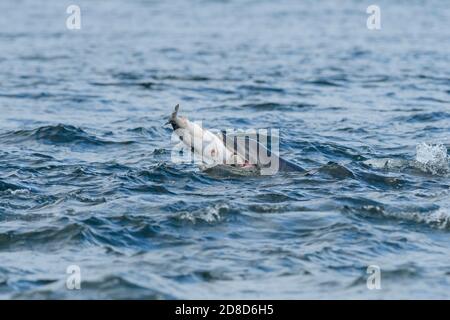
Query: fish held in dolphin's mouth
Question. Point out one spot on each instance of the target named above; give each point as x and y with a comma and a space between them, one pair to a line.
203, 142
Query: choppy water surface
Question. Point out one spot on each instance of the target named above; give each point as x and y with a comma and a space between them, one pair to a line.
86, 176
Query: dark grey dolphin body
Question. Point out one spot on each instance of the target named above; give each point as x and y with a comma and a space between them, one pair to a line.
256, 153
286, 166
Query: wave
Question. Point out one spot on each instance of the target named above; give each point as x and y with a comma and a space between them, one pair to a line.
111, 287
439, 218
159, 77
324, 83
146, 131
424, 117
260, 89
57, 134
209, 214
45, 236
434, 217
142, 84
6, 186
430, 158
273, 106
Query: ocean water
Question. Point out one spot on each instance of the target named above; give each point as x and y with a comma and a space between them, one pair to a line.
87, 179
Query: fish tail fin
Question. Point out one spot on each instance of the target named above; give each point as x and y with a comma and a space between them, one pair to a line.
173, 115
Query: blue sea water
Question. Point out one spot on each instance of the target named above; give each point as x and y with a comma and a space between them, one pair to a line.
86, 176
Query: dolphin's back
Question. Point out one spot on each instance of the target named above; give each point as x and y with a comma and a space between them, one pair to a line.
256, 153
285, 165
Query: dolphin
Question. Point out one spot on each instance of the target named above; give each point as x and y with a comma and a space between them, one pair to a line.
242, 150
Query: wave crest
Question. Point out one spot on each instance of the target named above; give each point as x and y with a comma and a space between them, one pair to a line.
57, 134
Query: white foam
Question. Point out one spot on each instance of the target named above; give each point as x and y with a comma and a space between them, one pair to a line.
432, 158
17, 192
386, 163
209, 214
439, 218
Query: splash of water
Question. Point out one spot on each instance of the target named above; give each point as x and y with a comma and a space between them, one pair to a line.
432, 158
